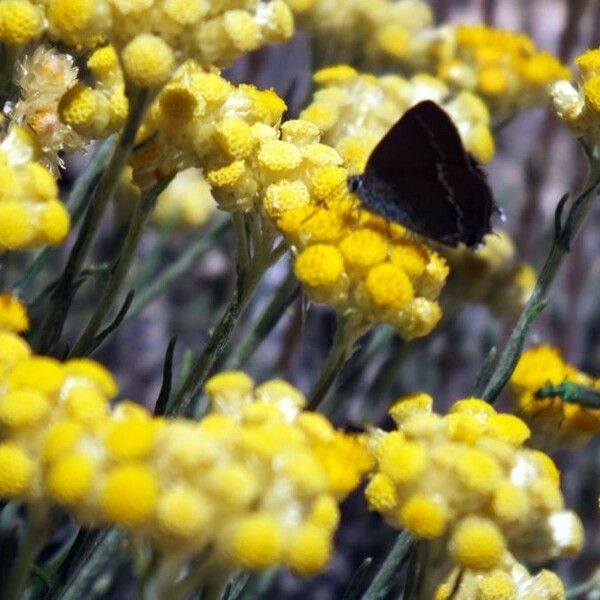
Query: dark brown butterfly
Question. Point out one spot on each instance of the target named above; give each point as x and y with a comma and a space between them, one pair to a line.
421, 176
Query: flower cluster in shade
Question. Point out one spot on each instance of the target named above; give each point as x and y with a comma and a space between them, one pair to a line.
509, 581
186, 203
31, 213
554, 422
355, 110
345, 257
365, 32
578, 104
503, 67
255, 483
150, 36
489, 275
465, 482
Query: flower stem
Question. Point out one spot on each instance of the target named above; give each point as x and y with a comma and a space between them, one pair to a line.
62, 295
386, 575
343, 341
563, 237
259, 330
250, 270
37, 531
176, 269
120, 268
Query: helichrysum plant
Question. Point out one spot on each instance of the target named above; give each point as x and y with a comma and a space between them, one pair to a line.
231, 480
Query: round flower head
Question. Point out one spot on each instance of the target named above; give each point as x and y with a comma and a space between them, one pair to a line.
489, 275
465, 482
31, 214
536, 387
578, 105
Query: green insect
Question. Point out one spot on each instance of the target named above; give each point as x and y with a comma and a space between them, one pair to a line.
572, 393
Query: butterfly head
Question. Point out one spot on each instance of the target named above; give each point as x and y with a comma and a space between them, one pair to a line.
355, 184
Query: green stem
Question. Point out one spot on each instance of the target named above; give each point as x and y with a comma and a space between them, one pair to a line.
37, 531
343, 341
177, 268
120, 268
536, 303
270, 316
82, 188
591, 585
63, 293
215, 346
87, 573
8, 59
247, 282
386, 575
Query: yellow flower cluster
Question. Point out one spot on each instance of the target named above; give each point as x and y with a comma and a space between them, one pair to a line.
554, 422
504, 67
255, 483
31, 213
43, 77
355, 110
365, 32
579, 105
346, 257
151, 36
490, 275
365, 268
200, 119
509, 581
465, 481
96, 112
186, 203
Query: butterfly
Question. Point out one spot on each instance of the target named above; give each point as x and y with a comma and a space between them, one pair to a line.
421, 176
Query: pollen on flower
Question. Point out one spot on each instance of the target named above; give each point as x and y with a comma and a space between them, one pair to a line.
477, 544
364, 248
233, 134
60, 438
20, 22
70, 478
257, 542
389, 286
16, 470
21, 408
39, 373
78, 106
310, 550
130, 439
402, 461
183, 513
279, 156
148, 60
129, 494
423, 516
319, 265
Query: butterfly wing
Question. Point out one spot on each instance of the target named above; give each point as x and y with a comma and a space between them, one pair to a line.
429, 182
